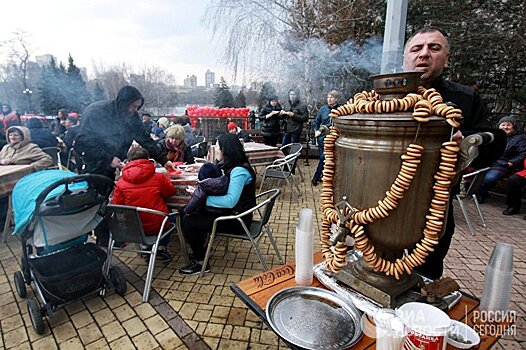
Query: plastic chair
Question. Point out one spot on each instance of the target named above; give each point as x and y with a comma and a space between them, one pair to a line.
473, 181
54, 153
282, 169
254, 233
126, 226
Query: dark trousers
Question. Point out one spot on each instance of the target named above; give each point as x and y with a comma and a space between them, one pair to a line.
513, 194
319, 169
434, 265
197, 228
102, 232
271, 140
491, 178
290, 137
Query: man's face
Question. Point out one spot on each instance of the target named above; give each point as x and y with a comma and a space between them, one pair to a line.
427, 52
273, 103
232, 131
145, 118
5, 109
134, 106
331, 100
292, 96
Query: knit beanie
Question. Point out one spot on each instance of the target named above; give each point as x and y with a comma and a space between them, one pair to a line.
508, 119
164, 122
208, 170
231, 126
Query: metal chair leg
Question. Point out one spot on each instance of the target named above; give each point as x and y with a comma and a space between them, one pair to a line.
466, 216
182, 241
273, 241
149, 275
479, 211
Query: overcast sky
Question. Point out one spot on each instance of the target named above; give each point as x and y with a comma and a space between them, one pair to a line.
165, 33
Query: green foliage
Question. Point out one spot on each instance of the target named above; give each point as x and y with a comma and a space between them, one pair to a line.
98, 92
63, 88
267, 90
223, 96
240, 100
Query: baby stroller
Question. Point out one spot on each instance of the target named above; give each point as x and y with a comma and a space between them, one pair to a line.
54, 212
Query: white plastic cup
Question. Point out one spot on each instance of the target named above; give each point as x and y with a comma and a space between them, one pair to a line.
390, 333
304, 248
426, 326
498, 279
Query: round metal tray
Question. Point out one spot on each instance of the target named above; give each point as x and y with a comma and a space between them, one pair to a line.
314, 318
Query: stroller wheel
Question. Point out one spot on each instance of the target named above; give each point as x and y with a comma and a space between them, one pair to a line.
118, 280
36, 316
20, 285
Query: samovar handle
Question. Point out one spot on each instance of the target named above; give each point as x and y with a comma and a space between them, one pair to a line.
343, 231
469, 150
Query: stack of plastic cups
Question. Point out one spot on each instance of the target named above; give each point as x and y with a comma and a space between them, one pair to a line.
390, 331
498, 279
304, 243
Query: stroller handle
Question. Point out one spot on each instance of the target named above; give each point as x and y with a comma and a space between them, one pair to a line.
91, 179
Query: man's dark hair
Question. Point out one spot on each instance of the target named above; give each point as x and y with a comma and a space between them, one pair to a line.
186, 120
137, 153
148, 114
429, 30
233, 151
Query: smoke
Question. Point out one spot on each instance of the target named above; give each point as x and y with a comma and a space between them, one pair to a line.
317, 67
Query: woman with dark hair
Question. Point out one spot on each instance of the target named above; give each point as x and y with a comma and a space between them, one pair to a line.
241, 196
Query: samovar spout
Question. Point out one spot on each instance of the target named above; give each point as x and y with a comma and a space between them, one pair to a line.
345, 211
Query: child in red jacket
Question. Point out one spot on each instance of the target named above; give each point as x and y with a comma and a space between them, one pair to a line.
141, 186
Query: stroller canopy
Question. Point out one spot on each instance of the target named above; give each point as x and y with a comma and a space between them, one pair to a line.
49, 230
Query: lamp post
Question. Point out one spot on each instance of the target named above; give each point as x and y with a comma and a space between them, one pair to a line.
27, 92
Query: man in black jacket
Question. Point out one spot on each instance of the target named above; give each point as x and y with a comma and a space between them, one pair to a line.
428, 50
295, 114
107, 131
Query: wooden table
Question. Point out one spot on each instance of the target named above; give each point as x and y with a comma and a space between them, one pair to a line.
257, 290
258, 154
9, 176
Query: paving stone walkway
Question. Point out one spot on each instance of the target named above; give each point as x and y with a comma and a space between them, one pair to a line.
202, 313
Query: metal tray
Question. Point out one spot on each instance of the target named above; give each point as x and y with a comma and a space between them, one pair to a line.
314, 318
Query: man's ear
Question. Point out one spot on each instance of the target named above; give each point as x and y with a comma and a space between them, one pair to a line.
446, 64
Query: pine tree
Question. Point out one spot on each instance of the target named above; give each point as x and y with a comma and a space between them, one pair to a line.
77, 94
51, 91
267, 90
223, 96
240, 100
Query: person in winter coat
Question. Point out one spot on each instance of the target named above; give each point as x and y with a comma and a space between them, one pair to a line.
141, 186
240, 196
323, 119
72, 131
240, 133
20, 150
107, 130
212, 182
40, 135
147, 123
173, 144
514, 193
58, 127
511, 160
270, 119
295, 113
189, 137
162, 124
8, 117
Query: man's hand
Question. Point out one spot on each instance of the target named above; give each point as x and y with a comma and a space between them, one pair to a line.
190, 189
116, 163
317, 133
169, 166
510, 164
458, 136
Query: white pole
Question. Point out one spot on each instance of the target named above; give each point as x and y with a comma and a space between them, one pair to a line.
394, 35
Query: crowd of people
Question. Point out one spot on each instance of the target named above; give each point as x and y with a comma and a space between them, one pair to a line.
102, 143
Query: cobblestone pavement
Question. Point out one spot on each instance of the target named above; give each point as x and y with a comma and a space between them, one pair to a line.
203, 313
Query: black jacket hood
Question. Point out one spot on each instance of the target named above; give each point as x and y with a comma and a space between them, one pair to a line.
125, 97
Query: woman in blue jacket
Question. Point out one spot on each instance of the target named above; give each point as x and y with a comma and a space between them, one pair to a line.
240, 196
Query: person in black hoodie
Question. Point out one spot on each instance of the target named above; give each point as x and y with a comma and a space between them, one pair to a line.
40, 135
107, 130
295, 113
270, 119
